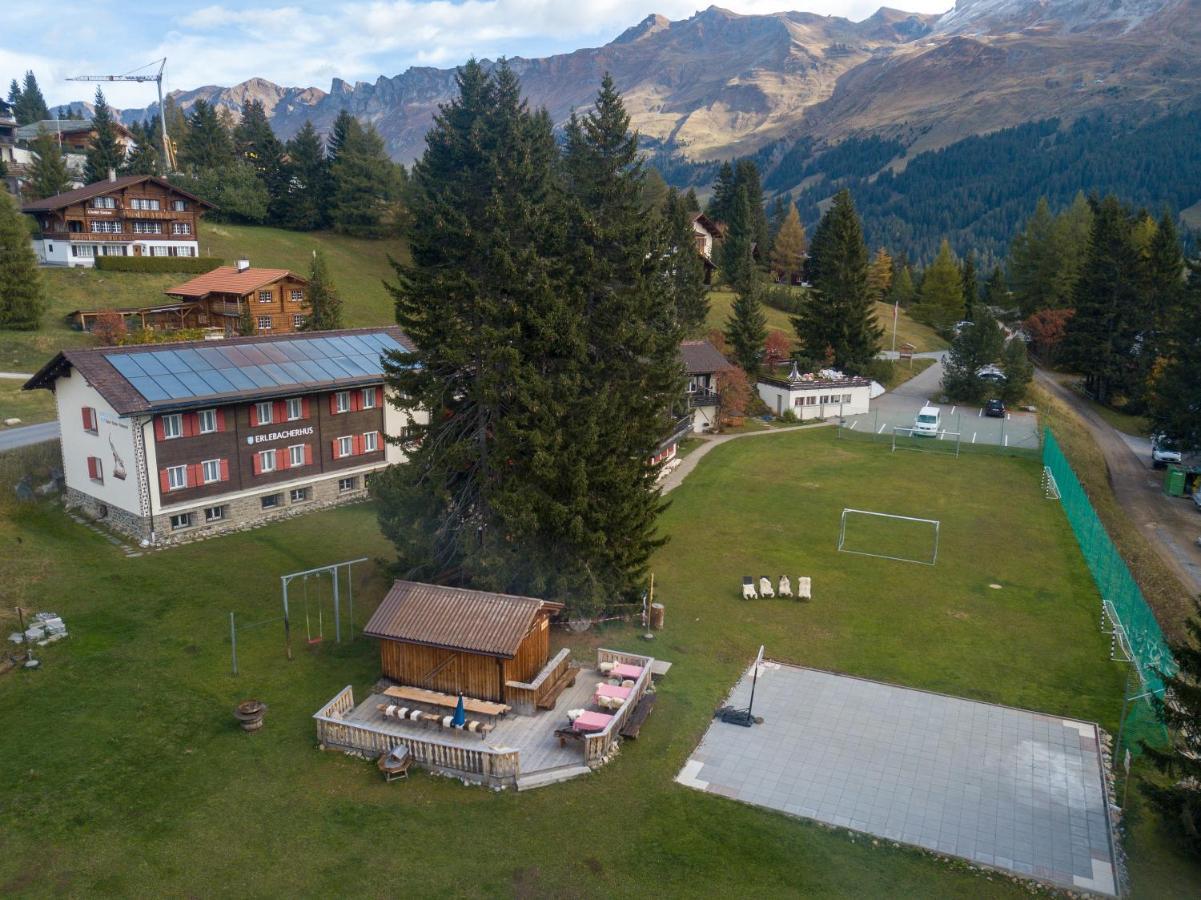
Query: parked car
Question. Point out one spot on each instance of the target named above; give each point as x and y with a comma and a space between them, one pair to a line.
991, 374
926, 423
995, 408
1163, 451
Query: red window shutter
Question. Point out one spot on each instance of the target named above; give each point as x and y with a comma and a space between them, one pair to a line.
308, 453
225, 470
304, 407
164, 482
158, 429
356, 401
188, 424
333, 404
87, 419
91, 464
257, 463
280, 408
283, 459
335, 447
358, 444
254, 415
220, 415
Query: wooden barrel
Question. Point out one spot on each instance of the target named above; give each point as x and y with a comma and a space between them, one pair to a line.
657, 616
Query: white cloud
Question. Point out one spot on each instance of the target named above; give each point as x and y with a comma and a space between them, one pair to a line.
305, 42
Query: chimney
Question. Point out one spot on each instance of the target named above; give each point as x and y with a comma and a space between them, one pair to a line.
243, 265
112, 174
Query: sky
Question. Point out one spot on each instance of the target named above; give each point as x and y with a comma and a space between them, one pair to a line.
306, 43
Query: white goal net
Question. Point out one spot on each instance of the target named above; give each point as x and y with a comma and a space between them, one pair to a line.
888, 536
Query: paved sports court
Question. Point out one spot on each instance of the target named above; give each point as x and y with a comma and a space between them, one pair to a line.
1015, 790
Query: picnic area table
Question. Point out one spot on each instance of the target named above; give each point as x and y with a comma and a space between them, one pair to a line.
447, 701
625, 670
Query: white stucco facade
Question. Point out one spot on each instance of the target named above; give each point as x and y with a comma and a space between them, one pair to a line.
82, 253
816, 399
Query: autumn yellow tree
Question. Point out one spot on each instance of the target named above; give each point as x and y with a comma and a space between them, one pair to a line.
788, 249
879, 276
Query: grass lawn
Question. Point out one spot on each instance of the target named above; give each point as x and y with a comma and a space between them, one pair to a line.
903, 370
28, 406
122, 771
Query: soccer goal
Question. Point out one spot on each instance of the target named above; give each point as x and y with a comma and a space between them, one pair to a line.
888, 536
908, 438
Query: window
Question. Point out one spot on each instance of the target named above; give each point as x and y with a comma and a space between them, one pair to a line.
143, 203
298, 495
295, 409
104, 203
298, 321
181, 228
267, 461
347, 484
181, 520
147, 227
296, 455
846, 398
95, 470
214, 514
105, 226
208, 420
111, 249
824, 399
172, 426
210, 471
345, 447
264, 323
369, 398
265, 296
799, 401
342, 401
177, 478
181, 251
297, 296
271, 501
89, 420
263, 413
811, 400
371, 442
179, 205
159, 251
84, 251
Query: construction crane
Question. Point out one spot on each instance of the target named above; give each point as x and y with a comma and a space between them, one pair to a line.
157, 78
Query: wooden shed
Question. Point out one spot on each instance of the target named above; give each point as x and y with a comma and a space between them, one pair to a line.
453, 639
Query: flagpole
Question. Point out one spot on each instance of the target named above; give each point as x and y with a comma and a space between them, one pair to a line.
896, 312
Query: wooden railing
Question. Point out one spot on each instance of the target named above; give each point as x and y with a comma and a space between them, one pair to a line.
524, 697
596, 745
483, 764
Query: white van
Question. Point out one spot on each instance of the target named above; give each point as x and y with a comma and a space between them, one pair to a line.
926, 423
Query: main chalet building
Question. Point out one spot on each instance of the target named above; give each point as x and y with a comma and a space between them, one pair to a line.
166, 442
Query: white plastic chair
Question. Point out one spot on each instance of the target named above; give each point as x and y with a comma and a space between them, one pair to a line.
785, 588
765, 587
804, 588
748, 588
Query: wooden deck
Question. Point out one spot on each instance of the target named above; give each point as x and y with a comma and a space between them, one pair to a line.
520, 745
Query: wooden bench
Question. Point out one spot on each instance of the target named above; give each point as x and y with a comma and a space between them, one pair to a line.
568, 734
550, 692
438, 720
638, 716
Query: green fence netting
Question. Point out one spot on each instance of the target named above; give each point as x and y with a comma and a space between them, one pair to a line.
1134, 624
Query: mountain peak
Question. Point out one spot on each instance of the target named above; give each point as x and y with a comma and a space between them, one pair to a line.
1002, 16
650, 25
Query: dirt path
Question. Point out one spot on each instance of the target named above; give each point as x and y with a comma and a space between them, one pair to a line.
688, 463
1171, 525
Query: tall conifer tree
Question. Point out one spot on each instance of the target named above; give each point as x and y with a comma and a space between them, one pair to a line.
30, 105
940, 300
338, 134
721, 203
325, 306
22, 297
746, 329
363, 183
837, 318
686, 269
788, 248
206, 144
105, 153
256, 143
306, 205
49, 176
1175, 410
736, 256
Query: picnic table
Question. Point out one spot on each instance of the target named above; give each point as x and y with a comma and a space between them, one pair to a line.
446, 701
591, 721
625, 670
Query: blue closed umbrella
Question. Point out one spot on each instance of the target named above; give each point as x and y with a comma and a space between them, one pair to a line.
460, 718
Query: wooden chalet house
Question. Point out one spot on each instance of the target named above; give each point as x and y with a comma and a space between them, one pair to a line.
277, 299
706, 232
73, 135
136, 215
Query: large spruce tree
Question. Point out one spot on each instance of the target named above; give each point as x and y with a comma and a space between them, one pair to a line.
207, 144
686, 268
1101, 337
837, 318
22, 297
306, 205
1176, 395
30, 105
144, 158
788, 248
364, 183
49, 174
325, 306
746, 329
105, 152
736, 256
722, 200
940, 300
256, 144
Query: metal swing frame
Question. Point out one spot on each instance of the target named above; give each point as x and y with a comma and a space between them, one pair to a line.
333, 570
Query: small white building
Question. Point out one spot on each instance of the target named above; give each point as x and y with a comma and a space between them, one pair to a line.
815, 396
702, 362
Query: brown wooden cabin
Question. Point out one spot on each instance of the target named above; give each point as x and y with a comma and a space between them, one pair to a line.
453, 639
277, 299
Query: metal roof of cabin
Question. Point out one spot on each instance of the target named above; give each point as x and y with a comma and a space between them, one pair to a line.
100, 188
189, 374
456, 618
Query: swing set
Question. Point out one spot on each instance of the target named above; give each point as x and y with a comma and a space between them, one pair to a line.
312, 638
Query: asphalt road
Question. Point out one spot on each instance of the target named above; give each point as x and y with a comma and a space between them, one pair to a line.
1171, 524
899, 408
11, 438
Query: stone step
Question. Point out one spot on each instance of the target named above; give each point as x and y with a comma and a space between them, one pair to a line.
550, 776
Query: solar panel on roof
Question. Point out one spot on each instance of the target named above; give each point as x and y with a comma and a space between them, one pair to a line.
259, 377
239, 380
297, 374
254, 356
314, 371
274, 371
126, 365
169, 358
145, 386
274, 353
216, 381
359, 345
150, 365
175, 388
194, 360
194, 383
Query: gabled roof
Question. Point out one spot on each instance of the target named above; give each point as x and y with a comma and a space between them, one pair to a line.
153, 378
230, 280
62, 126
706, 223
702, 358
100, 188
457, 618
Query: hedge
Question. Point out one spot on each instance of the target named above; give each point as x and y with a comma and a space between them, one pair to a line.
197, 265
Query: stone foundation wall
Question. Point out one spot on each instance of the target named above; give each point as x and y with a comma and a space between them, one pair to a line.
241, 514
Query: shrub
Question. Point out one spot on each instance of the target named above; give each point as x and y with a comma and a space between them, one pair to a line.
110, 328
783, 298
196, 265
